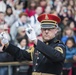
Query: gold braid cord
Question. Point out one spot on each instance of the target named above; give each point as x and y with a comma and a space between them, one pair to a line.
31, 51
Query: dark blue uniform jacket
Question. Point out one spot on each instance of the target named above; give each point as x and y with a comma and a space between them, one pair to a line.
48, 57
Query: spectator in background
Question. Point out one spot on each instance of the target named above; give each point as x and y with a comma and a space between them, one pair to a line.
19, 4
37, 1
1, 28
30, 10
2, 21
34, 22
57, 5
70, 52
10, 18
25, 4
70, 14
75, 30
6, 30
63, 11
47, 10
71, 24
22, 43
43, 4
50, 3
18, 7
11, 3
63, 23
75, 13
3, 5
33, 19
21, 32
68, 32
22, 21
74, 64
71, 3
5, 57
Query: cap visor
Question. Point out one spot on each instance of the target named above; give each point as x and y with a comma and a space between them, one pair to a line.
48, 26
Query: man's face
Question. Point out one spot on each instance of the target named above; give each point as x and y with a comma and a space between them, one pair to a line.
2, 16
48, 34
39, 10
23, 19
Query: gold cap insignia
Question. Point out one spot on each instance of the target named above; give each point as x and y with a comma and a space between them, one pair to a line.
46, 17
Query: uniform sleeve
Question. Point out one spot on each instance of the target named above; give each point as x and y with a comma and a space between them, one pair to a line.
56, 54
19, 55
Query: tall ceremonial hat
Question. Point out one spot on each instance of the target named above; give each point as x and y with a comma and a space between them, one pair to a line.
49, 20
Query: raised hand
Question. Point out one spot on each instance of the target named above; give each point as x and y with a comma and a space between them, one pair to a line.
4, 38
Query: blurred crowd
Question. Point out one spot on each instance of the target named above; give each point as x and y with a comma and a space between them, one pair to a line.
17, 17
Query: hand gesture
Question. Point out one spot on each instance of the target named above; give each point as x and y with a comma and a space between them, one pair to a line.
3, 38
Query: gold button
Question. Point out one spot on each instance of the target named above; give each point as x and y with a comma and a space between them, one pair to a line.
47, 43
36, 64
37, 57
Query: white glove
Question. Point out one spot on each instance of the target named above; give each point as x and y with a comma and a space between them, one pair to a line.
4, 38
31, 34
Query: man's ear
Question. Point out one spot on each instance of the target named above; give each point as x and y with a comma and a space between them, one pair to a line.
56, 30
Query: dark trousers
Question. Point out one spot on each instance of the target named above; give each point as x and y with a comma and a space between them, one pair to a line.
28, 71
74, 71
65, 72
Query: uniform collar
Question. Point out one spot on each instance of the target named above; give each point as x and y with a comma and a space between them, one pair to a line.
54, 40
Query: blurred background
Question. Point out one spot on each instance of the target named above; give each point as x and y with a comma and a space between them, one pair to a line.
19, 16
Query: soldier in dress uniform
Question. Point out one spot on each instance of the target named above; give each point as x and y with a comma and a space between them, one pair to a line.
48, 55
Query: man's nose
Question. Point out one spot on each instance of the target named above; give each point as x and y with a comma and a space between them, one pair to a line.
46, 30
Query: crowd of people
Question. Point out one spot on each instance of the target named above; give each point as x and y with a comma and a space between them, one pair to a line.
19, 17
